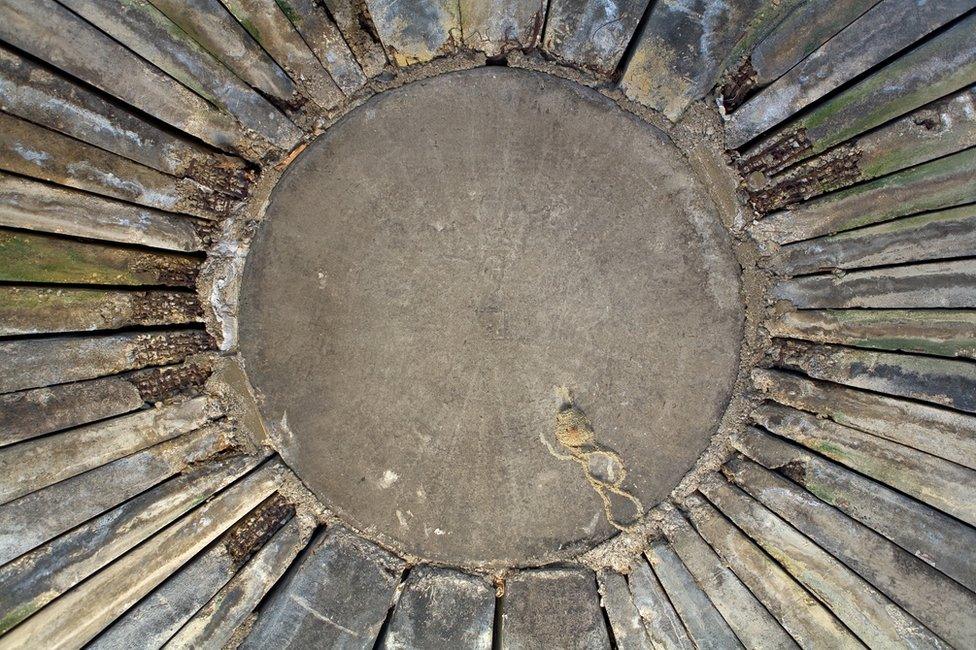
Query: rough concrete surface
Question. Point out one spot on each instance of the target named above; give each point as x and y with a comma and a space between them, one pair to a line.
447, 264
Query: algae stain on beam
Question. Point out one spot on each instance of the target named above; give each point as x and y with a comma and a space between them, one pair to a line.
53, 310
937, 332
884, 30
938, 129
942, 234
42, 258
939, 483
268, 25
929, 71
807, 27
947, 434
942, 541
933, 185
417, 32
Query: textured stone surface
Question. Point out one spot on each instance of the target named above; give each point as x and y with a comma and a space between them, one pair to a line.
439, 264
553, 608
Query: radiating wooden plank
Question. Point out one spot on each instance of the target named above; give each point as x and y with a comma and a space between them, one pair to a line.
326, 42
556, 607
930, 70
591, 34
805, 29
664, 627
33, 205
442, 608
337, 594
79, 615
42, 153
753, 625
809, 623
942, 541
353, 20
153, 36
216, 622
935, 235
939, 332
52, 310
30, 363
935, 130
52, 33
705, 625
876, 620
947, 434
161, 614
948, 382
499, 26
684, 46
37, 578
882, 31
941, 484
266, 22
31, 413
937, 602
38, 93
214, 28
26, 257
934, 185
625, 620
416, 32
40, 462
929, 285
43, 515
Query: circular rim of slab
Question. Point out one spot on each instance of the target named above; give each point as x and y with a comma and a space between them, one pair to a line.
745, 355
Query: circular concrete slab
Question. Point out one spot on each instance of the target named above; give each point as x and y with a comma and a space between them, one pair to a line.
443, 265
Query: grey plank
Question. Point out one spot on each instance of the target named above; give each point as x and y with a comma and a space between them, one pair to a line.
591, 34
753, 625
927, 285
705, 625
336, 596
879, 33
663, 625
161, 614
625, 620
943, 485
496, 27
937, 431
442, 608
939, 603
416, 32
555, 607
942, 541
